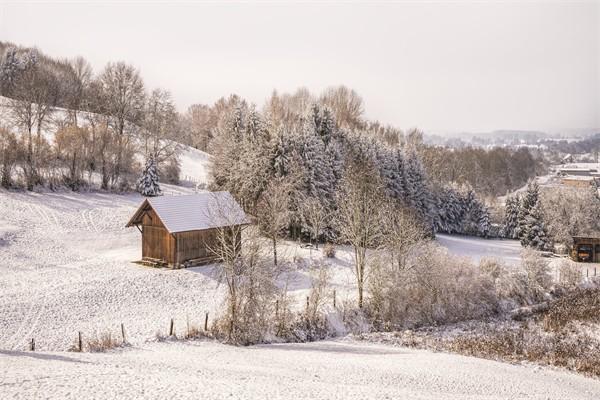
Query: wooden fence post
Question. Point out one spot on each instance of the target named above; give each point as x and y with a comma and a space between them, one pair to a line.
123, 332
80, 343
206, 322
172, 328
32, 346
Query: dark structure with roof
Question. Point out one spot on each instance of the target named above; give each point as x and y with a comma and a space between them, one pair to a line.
181, 230
586, 249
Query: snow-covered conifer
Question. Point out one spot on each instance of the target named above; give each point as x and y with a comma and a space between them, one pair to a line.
511, 217
148, 183
533, 231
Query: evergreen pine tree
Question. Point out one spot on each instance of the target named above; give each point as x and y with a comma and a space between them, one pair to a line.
528, 201
534, 232
148, 183
511, 217
483, 225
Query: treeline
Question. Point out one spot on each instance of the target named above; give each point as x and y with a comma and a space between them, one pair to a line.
545, 218
300, 149
96, 123
492, 172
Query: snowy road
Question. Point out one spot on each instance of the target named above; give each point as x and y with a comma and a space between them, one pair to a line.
323, 370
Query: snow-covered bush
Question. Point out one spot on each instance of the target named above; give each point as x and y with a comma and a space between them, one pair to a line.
537, 270
438, 288
569, 273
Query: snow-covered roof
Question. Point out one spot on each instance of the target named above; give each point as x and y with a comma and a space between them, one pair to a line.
194, 212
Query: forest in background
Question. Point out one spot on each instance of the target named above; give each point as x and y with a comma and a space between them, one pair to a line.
301, 143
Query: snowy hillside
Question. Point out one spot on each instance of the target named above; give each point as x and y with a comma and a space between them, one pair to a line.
323, 370
67, 267
195, 165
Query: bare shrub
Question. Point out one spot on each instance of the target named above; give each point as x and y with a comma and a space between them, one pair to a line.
434, 288
252, 290
570, 274
194, 331
537, 270
102, 342
509, 341
492, 267
329, 250
578, 305
311, 323
320, 278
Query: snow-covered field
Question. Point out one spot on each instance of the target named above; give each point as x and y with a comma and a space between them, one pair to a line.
322, 370
507, 251
66, 267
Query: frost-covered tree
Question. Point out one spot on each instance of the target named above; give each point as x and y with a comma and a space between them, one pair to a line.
528, 201
511, 217
417, 187
123, 89
531, 221
571, 212
148, 184
483, 224
274, 212
360, 205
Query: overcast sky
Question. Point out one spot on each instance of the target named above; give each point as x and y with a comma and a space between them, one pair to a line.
441, 66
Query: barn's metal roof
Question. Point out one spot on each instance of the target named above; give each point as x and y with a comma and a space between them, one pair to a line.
194, 212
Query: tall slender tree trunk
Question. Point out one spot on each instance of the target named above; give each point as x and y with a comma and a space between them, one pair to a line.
274, 251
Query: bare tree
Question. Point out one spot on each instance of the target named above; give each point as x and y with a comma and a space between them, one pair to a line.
360, 201
82, 73
71, 145
123, 90
315, 215
273, 211
33, 97
320, 278
200, 121
347, 106
160, 125
226, 247
250, 279
9, 154
402, 231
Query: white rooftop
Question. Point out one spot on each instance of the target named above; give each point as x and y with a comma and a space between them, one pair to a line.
194, 212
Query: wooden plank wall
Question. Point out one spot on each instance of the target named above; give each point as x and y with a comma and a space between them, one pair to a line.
194, 244
157, 242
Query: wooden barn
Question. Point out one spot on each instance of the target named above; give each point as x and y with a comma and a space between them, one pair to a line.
585, 249
180, 230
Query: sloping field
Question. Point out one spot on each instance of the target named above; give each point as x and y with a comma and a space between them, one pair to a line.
322, 370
